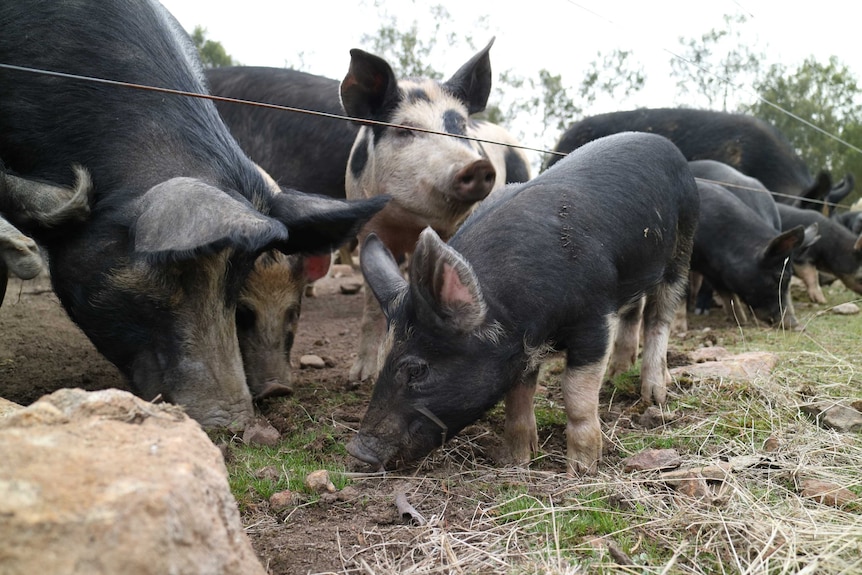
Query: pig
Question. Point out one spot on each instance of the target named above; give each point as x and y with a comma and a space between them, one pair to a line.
267, 316
851, 220
39, 204
433, 180
746, 143
569, 260
740, 254
179, 213
838, 252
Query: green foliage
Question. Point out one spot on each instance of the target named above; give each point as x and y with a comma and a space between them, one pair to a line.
825, 95
710, 66
409, 54
212, 53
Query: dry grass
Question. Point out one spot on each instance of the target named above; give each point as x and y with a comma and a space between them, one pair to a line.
490, 520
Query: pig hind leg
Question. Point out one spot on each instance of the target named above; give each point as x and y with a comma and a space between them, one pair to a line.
625, 352
520, 432
661, 307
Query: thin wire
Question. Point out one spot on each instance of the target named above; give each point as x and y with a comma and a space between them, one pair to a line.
174, 92
184, 93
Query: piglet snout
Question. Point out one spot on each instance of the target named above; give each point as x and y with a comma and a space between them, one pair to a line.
475, 181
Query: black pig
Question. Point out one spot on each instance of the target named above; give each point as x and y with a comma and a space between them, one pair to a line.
562, 262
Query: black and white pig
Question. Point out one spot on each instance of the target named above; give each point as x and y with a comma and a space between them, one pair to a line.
838, 252
179, 214
748, 144
433, 180
564, 261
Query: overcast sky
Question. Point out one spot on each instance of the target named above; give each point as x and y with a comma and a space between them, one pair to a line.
562, 36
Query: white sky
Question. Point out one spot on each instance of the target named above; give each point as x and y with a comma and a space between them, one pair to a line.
562, 36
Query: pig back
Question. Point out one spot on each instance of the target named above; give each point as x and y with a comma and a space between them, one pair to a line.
605, 220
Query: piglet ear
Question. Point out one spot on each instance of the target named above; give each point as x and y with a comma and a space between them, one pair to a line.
781, 246
444, 281
382, 274
472, 82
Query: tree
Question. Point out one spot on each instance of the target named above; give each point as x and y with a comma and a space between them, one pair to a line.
212, 53
710, 67
825, 95
613, 75
407, 53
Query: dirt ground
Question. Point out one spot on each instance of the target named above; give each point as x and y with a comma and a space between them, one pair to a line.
41, 351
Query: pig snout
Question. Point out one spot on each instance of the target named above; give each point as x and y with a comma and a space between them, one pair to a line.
271, 388
474, 182
357, 448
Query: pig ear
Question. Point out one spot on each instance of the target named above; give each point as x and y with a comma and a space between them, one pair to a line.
472, 82
318, 223
184, 217
382, 274
784, 244
369, 90
315, 267
445, 281
812, 234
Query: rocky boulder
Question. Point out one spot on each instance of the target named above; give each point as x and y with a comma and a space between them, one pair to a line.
105, 483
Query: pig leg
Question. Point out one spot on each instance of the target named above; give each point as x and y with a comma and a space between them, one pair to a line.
659, 311
583, 431
520, 431
370, 333
628, 338
680, 320
809, 276
19, 252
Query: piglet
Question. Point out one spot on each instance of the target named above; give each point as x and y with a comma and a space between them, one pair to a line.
570, 260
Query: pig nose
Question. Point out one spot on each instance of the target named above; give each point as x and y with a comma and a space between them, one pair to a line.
474, 182
357, 448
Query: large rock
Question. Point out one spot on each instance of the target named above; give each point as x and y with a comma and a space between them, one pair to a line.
105, 483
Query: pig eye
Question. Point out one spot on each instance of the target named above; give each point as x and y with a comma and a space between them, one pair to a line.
404, 134
244, 317
413, 372
291, 316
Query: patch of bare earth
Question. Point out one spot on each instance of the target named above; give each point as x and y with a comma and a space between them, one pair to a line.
754, 518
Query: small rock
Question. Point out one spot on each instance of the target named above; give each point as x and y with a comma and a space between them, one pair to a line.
652, 459
321, 342
329, 361
654, 417
834, 416
703, 354
311, 361
848, 308
741, 366
281, 500
341, 270
717, 472
771, 444
693, 485
319, 481
350, 287
261, 432
745, 461
827, 493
